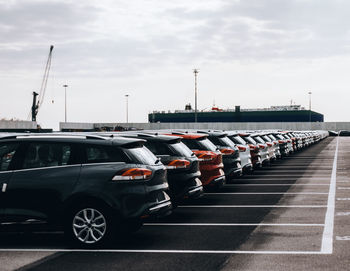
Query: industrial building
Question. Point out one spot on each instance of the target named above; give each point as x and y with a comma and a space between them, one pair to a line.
289, 113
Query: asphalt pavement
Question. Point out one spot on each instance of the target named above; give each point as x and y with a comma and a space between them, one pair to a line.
293, 215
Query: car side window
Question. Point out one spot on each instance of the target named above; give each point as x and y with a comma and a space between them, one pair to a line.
7, 151
40, 155
104, 154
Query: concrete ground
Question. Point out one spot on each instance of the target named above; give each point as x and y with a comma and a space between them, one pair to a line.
293, 215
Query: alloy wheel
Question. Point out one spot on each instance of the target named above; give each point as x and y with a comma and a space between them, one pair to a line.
89, 226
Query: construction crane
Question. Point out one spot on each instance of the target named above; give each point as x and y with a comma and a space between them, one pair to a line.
38, 98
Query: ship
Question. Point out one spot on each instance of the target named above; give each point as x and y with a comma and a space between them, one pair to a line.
280, 113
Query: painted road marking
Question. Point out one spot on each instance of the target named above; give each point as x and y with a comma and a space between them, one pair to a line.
327, 237
343, 213
293, 176
343, 198
268, 193
278, 184
170, 251
344, 188
343, 238
280, 179
235, 224
252, 206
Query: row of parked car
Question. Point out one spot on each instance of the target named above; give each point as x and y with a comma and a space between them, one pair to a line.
97, 185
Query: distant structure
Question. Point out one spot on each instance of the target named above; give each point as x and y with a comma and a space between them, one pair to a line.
280, 113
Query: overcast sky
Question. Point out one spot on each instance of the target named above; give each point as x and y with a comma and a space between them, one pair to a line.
253, 53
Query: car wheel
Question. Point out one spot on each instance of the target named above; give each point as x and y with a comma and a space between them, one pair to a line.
90, 226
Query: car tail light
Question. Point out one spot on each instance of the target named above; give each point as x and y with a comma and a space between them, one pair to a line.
131, 174
275, 143
261, 146
177, 164
204, 155
242, 149
289, 141
269, 144
227, 151
281, 141
252, 147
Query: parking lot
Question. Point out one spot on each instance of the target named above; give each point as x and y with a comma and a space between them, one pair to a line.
292, 215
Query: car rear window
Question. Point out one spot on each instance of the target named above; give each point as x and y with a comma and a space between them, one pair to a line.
227, 142
259, 139
238, 140
181, 149
141, 155
272, 137
200, 144
250, 140
7, 151
267, 139
104, 154
159, 148
280, 137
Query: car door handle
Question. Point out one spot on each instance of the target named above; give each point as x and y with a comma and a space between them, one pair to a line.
4, 186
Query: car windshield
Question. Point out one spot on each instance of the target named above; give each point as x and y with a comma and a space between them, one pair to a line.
181, 149
141, 155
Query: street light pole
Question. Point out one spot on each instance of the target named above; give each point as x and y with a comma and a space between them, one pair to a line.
65, 102
127, 108
195, 71
310, 105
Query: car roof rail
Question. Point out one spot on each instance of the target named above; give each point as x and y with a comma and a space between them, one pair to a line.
96, 137
8, 137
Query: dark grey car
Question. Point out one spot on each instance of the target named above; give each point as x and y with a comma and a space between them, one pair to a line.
87, 185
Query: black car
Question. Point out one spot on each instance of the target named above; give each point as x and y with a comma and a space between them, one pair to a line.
182, 164
89, 186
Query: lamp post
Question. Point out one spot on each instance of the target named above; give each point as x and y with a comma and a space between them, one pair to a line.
310, 105
195, 71
127, 108
65, 102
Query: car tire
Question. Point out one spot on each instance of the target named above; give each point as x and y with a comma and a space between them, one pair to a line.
90, 226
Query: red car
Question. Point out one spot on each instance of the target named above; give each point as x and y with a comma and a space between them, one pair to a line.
210, 158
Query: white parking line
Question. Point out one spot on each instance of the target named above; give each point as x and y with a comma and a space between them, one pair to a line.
252, 206
277, 184
344, 188
170, 251
235, 224
293, 170
293, 175
327, 238
268, 193
282, 179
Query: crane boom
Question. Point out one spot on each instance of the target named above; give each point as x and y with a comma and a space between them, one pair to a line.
38, 98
